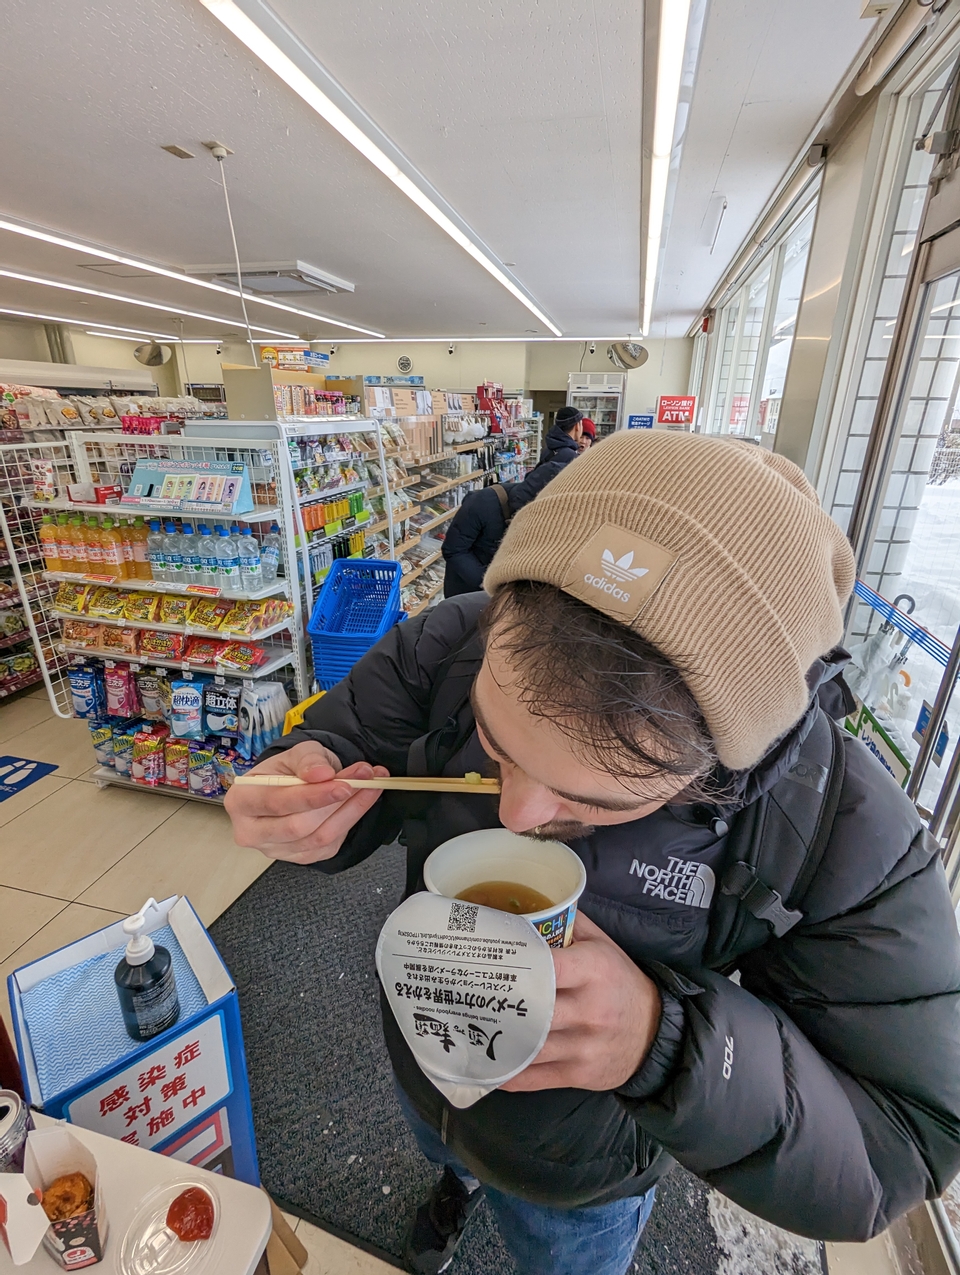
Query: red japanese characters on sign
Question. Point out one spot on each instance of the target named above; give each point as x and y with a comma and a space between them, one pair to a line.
148, 1102
676, 409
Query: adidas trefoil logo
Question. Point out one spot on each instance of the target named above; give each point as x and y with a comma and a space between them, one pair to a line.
621, 568
616, 569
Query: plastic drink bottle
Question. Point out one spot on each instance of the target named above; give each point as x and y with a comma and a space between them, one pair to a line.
248, 551
139, 536
125, 527
81, 562
191, 555
91, 538
228, 562
173, 554
271, 554
65, 544
156, 552
209, 562
111, 544
49, 547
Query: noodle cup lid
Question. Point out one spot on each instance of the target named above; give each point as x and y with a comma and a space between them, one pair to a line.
471, 988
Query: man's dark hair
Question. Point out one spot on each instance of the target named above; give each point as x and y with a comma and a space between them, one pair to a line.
608, 689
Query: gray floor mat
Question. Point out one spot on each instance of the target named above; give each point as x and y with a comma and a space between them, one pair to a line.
331, 1139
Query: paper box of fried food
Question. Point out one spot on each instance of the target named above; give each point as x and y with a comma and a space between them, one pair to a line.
63, 1173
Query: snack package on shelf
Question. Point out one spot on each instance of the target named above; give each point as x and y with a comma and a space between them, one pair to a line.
12, 620
242, 657
208, 613
121, 640
174, 609
82, 633
104, 603
72, 598
202, 650
162, 646
141, 607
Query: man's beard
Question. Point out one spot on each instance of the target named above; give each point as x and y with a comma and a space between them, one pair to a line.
560, 830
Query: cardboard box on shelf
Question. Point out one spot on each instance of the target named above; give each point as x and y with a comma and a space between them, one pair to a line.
404, 402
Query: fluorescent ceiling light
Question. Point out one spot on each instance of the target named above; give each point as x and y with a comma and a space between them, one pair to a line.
147, 305
474, 340
674, 15
75, 323
62, 241
263, 47
160, 340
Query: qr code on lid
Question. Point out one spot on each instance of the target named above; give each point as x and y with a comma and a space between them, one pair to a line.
463, 916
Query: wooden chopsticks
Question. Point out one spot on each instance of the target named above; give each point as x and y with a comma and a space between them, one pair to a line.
409, 783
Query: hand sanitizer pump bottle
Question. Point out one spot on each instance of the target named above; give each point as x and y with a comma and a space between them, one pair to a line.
145, 982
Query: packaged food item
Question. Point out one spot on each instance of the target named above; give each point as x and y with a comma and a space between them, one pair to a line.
12, 620
123, 738
101, 735
82, 633
114, 639
202, 771
186, 716
87, 690
208, 613
153, 687
242, 656
141, 607
174, 609
106, 604
176, 754
121, 690
72, 598
149, 765
221, 708
201, 650
162, 646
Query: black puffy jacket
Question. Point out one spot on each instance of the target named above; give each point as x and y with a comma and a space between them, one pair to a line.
559, 446
479, 525
821, 1092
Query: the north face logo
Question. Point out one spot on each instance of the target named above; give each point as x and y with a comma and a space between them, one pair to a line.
621, 569
692, 884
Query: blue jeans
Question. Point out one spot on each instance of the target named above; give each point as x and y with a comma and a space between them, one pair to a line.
543, 1240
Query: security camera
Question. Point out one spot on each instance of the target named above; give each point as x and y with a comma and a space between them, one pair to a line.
219, 349
333, 350
450, 351
593, 347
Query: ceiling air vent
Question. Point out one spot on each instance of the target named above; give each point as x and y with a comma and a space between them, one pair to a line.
276, 278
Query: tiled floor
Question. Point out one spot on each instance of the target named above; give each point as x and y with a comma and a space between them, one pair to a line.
74, 857
330, 1256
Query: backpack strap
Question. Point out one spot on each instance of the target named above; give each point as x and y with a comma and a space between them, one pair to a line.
504, 502
450, 714
775, 848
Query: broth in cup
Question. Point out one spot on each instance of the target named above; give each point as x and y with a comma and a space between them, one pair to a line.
541, 880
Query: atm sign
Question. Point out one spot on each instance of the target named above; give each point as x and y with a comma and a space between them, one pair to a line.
676, 409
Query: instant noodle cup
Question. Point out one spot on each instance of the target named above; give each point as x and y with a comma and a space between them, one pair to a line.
472, 990
496, 854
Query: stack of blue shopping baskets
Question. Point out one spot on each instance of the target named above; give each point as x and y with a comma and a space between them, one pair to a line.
358, 603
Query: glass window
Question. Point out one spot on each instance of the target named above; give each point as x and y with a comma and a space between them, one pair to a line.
793, 269
753, 339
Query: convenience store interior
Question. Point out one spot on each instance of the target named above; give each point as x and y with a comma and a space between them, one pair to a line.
446, 225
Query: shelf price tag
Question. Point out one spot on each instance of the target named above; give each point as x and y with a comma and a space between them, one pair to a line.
208, 590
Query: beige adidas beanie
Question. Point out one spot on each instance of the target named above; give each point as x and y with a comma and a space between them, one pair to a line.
716, 551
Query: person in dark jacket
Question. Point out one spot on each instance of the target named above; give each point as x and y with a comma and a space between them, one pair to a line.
475, 533
644, 672
562, 442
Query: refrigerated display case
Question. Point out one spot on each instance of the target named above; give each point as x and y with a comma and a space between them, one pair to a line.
598, 395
